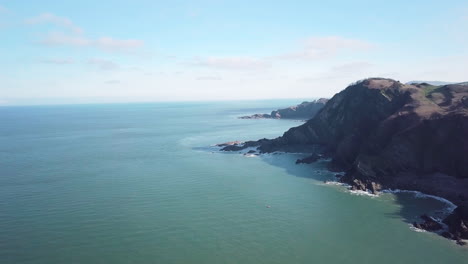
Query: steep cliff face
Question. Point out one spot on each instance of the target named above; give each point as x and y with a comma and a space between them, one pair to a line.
305, 110
387, 134
383, 127
337, 125
458, 223
428, 134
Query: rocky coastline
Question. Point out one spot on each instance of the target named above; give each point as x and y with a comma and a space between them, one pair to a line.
303, 111
389, 135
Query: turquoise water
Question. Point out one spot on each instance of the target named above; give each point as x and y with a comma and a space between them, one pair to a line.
138, 183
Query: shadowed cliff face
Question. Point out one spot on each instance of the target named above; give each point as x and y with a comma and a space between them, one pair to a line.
388, 127
386, 134
338, 125
428, 134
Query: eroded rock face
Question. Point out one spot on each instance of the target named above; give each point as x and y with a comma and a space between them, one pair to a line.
305, 111
339, 126
429, 224
458, 222
387, 134
378, 128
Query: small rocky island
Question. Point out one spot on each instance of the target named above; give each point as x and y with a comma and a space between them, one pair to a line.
302, 111
389, 135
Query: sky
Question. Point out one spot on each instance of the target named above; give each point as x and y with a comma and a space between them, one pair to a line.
141, 50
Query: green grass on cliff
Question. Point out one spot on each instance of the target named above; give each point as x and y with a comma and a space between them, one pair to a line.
429, 89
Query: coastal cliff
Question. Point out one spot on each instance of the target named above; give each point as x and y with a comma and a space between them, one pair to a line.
385, 134
304, 110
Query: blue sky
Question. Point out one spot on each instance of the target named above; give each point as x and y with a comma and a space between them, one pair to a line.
118, 51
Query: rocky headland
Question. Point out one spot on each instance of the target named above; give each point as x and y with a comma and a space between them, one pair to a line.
303, 111
389, 135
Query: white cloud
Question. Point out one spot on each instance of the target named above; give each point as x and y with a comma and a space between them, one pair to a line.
76, 37
325, 47
56, 20
103, 43
351, 70
57, 61
313, 49
103, 64
352, 67
233, 63
209, 78
112, 82
111, 44
57, 38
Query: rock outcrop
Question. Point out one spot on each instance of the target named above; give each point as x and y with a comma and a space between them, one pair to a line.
304, 111
386, 134
429, 224
458, 223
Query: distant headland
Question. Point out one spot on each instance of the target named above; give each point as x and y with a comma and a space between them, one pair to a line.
303, 111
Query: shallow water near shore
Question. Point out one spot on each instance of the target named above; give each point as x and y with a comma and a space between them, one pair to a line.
139, 183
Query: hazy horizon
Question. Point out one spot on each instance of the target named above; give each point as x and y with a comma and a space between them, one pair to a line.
107, 100
212, 50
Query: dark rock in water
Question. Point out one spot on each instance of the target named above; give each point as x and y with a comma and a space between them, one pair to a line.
256, 116
251, 151
233, 147
429, 224
239, 145
305, 111
230, 143
310, 159
457, 222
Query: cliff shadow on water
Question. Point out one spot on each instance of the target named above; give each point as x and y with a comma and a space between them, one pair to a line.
419, 211
411, 204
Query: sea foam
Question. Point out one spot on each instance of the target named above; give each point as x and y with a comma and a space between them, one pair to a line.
450, 206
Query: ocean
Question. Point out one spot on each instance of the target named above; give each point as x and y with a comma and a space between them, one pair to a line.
142, 183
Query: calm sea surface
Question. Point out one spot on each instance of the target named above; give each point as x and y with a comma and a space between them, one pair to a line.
138, 183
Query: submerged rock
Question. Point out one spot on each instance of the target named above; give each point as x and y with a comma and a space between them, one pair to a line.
310, 159
235, 147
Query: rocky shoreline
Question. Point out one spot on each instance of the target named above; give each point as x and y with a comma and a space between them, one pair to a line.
303, 111
389, 135
453, 227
